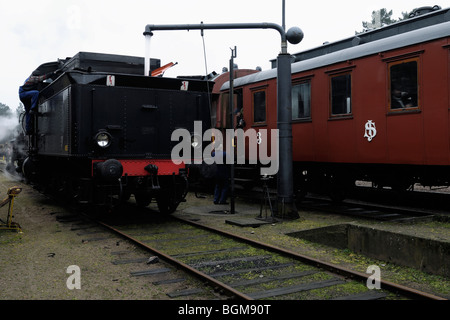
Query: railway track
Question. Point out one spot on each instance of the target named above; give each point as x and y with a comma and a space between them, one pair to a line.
374, 204
240, 268
237, 267
371, 211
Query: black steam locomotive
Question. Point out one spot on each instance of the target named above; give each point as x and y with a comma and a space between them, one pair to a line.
103, 129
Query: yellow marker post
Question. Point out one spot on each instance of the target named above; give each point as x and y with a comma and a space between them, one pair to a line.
9, 224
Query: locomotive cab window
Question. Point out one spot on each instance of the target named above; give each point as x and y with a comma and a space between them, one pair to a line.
301, 100
259, 106
403, 84
341, 94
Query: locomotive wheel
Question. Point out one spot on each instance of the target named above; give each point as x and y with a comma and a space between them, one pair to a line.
167, 203
125, 197
169, 197
143, 199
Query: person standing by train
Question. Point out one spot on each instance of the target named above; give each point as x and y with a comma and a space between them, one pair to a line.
222, 177
240, 122
29, 94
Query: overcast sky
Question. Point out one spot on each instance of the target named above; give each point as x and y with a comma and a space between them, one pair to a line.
34, 32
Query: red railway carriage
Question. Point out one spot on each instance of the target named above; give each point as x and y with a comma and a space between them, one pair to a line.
219, 109
375, 110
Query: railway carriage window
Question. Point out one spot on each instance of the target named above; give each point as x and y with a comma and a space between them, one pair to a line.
259, 106
341, 93
301, 100
403, 85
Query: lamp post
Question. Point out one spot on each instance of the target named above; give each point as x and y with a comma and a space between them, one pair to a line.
231, 103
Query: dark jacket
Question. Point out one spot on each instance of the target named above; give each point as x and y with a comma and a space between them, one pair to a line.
31, 83
223, 170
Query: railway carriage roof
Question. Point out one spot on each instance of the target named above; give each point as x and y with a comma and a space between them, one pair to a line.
430, 33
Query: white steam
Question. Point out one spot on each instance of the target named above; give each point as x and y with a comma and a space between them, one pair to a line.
8, 127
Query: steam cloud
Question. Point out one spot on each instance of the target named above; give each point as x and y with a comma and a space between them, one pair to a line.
8, 127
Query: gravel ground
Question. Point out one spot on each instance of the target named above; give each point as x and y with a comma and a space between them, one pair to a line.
33, 264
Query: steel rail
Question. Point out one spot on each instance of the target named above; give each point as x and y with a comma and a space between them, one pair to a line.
321, 264
184, 266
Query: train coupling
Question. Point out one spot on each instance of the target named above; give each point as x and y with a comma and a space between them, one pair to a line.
153, 170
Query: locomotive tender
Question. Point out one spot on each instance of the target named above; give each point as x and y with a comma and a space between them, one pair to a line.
373, 107
103, 130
